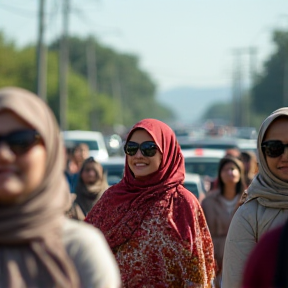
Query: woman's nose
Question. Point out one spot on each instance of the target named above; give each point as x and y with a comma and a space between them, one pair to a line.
138, 153
285, 154
6, 155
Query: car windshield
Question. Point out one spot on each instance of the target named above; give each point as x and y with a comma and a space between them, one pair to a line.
203, 167
93, 145
207, 146
114, 172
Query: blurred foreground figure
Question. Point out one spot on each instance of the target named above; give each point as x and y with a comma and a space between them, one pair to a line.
155, 227
220, 205
39, 247
267, 265
266, 204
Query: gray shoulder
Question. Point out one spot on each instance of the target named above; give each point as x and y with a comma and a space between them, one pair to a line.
91, 255
79, 231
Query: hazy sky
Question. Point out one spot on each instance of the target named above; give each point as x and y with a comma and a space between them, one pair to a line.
179, 42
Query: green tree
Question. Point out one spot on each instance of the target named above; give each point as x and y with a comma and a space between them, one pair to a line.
120, 78
219, 110
269, 92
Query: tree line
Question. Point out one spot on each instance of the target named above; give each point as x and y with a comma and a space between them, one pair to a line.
123, 92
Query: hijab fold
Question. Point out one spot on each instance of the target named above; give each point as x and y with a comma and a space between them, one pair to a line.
31, 245
269, 190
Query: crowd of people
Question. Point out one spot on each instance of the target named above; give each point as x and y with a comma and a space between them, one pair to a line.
61, 225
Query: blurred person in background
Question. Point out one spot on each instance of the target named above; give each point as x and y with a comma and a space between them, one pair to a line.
92, 183
154, 226
79, 153
234, 152
250, 165
220, 205
266, 205
39, 247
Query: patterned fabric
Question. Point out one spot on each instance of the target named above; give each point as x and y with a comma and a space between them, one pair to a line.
156, 228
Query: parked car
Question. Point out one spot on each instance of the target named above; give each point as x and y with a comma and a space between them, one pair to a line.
93, 139
114, 168
218, 143
204, 162
194, 184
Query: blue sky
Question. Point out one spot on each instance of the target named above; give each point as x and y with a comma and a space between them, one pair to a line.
178, 42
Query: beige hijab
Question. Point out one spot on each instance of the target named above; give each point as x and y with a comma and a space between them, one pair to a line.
31, 249
88, 195
268, 189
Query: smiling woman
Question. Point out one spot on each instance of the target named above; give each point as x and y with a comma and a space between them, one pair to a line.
266, 205
155, 226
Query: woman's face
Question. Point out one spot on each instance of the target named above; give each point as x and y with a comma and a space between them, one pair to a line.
279, 165
230, 173
140, 165
19, 174
81, 153
89, 174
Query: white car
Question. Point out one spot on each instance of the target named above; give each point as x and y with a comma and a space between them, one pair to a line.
114, 168
204, 162
93, 139
194, 184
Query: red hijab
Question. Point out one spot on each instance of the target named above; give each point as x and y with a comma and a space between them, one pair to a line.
123, 206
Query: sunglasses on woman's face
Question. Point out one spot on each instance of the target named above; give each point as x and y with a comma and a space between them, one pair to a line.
21, 141
273, 148
147, 148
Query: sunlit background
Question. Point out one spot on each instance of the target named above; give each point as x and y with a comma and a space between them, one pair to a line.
103, 65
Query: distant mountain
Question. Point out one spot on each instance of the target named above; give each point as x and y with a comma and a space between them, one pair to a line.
189, 103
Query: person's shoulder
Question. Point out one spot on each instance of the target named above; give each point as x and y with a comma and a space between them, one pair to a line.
187, 195
91, 255
214, 194
80, 232
246, 214
211, 197
251, 205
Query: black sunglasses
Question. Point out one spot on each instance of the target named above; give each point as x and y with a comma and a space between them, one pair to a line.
21, 141
273, 148
147, 148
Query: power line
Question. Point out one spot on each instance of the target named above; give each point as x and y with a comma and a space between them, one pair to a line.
19, 11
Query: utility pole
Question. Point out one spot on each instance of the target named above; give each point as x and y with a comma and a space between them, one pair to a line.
92, 80
63, 69
252, 67
117, 95
237, 89
242, 108
41, 55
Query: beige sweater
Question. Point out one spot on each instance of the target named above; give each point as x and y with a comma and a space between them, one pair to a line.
88, 249
249, 223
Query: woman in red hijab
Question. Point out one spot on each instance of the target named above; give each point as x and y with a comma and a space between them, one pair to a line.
154, 226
